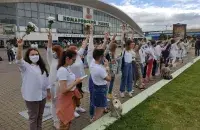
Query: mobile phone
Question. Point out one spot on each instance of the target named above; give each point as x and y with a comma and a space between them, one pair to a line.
84, 77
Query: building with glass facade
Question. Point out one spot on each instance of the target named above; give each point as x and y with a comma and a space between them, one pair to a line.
71, 16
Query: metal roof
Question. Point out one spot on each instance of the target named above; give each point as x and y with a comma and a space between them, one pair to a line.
93, 4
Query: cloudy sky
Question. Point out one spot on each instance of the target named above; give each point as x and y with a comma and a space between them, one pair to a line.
156, 14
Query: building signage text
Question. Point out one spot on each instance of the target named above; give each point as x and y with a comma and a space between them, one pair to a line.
63, 18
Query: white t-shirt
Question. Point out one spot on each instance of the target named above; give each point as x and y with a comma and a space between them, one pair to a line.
98, 73
66, 74
78, 67
128, 56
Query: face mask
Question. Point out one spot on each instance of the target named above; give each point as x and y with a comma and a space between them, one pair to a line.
34, 59
55, 55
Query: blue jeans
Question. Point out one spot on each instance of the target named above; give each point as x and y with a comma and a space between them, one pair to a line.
111, 85
142, 68
91, 88
127, 77
99, 96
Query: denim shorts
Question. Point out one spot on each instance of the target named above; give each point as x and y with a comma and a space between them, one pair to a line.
99, 95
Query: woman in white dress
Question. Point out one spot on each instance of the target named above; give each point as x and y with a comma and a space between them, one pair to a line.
78, 69
53, 55
174, 52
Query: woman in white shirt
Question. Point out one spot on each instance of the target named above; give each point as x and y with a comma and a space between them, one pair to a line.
78, 69
127, 70
100, 76
53, 55
174, 51
67, 95
35, 85
150, 58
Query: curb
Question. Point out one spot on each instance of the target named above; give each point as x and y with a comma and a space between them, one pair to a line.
106, 120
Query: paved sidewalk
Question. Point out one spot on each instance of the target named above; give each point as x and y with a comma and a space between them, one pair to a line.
12, 102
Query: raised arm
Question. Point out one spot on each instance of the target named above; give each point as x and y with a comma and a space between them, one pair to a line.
49, 49
84, 44
20, 44
106, 36
132, 36
90, 47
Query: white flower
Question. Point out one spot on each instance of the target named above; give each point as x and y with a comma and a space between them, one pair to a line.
87, 24
50, 18
33, 25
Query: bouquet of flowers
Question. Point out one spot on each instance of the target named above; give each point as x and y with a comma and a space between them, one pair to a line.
31, 27
51, 20
87, 28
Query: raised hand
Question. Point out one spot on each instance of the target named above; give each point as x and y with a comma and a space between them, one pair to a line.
114, 36
84, 43
123, 27
50, 36
20, 42
91, 28
106, 36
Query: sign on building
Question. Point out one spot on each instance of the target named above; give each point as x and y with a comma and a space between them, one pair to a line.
70, 19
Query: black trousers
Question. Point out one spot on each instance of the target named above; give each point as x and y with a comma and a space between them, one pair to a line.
196, 51
154, 67
145, 71
10, 55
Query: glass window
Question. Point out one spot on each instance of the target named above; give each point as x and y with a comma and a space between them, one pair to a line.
47, 10
34, 6
35, 21
21, 12
52, 9
28, 13
47, 15
67, 12
41, 7
63, 11
27, 6
56, 25
22, 21
64, 26
3, 10
11, 5
11, 11
68, 26
20, 5
42, 15
58, 10
34, 14
42, 23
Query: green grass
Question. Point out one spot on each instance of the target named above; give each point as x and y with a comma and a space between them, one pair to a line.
174, 107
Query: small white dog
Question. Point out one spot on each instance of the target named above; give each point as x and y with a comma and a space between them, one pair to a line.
116, 108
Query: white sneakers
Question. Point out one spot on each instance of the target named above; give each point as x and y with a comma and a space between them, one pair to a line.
76, 114
122, 94
10, 63
130, 94
79, 109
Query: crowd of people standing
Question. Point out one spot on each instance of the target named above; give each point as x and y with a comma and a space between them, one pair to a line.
138, 63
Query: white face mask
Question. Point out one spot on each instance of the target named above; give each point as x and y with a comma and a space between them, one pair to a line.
34, 59
55, 55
